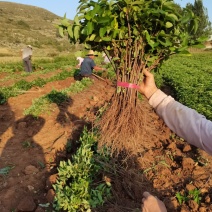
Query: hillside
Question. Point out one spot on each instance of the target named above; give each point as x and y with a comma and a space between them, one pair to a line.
29, 25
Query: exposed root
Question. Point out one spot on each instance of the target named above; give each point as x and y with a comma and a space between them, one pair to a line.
122, 126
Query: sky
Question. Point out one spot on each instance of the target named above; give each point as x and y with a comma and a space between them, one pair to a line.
60, 7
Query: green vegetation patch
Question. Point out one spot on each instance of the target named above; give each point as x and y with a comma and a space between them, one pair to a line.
190, 79
41, 105
189, 195
22, 85
77, 188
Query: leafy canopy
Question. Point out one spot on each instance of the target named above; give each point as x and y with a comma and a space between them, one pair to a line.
157, 23
138, 34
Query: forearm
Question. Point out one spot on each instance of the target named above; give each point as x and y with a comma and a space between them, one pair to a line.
185, 122
97, 68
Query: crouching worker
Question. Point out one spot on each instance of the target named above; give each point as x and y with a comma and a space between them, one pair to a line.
88, 65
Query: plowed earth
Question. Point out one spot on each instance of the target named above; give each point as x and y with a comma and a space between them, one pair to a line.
163, 163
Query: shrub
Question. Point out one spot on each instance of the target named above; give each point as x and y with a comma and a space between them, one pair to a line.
75, 189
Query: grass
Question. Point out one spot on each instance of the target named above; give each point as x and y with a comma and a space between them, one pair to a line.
42, 104
194, 194
5, 171
189, 80
155, 165
27, 144
22, 85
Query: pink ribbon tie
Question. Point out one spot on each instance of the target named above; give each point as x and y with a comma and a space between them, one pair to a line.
127, 85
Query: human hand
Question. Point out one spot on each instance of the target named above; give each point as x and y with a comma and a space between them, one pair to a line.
152, 204
148, 87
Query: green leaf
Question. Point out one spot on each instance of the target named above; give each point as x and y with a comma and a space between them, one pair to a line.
102, 32
88, 17
168, 5
137, 2
97, 39
70, 31
172, 48
147, 35
103, 20
108, 48
135, 31
65, 22
114, 24
169, 24
61, 31
106, 38
83, 7
151, 43
95, 10
115, 33
195, 25
172, 17
5, 170
76, 32
90, 27
124, 9
185, 19
165, 42
76, 20
92, 37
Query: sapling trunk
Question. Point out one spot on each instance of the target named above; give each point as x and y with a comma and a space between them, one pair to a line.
138, 35
122, 123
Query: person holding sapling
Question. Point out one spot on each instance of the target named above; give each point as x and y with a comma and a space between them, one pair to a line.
88, 65
185, 122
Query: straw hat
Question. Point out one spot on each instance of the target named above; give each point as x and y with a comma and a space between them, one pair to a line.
29, 46
91, 53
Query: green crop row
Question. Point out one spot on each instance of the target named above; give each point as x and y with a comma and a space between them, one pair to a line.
54, 63
41, 105
189, 77
22, 85
78, 187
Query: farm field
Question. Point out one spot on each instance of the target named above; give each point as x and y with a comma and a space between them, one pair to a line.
190, 78
32, 143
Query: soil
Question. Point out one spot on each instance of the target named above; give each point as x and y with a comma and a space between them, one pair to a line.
161, 163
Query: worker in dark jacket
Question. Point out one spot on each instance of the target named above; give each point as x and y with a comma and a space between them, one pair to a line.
88, 65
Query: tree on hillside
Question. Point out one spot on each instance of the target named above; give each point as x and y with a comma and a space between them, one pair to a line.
201, 13
139, 34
